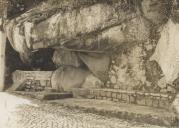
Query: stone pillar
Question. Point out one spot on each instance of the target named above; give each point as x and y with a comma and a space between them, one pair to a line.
2, 56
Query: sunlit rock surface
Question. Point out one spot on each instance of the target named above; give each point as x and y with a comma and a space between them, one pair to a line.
166, 52
40, 29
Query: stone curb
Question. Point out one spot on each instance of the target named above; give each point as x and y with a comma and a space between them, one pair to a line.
157, 100
44, 95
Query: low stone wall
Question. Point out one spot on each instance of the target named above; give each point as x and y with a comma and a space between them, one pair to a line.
157, 100
31, 80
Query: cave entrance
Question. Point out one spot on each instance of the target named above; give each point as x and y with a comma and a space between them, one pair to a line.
12, 62
41, 60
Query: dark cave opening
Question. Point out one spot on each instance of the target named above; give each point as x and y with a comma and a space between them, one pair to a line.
13, 62
41, 61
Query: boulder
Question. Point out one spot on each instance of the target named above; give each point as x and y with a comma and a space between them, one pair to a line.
92, 82
63, 57
98, 64
67, 78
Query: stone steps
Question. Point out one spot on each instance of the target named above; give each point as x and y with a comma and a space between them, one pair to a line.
157, 100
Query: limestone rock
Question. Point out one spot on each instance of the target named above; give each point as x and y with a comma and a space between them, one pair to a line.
156, 11
113, 79
175, 11
85, 34
154, 72
137, 29
130, 72
162, 83
166, 52
176, 82
67, 78
50, 27
68, 58
175, 104
92, 82
98, 64
163, 90
171, 89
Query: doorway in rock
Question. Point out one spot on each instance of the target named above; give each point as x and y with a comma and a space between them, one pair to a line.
41, 60
13, 62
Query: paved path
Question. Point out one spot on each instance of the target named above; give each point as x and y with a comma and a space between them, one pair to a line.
16, 112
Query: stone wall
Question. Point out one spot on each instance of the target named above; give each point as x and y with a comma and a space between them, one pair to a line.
31, 80
157, 100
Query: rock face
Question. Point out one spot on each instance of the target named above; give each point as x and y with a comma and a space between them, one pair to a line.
29, 31
98, 64
128, 70
51, 26
166, 52
111, 40
157, 11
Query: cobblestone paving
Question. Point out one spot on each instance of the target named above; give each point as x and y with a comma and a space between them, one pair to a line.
44, 115
50, 116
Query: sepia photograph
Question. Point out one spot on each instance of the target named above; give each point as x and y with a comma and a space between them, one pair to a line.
89, 63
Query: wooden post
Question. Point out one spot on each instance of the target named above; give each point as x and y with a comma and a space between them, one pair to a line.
2, 55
